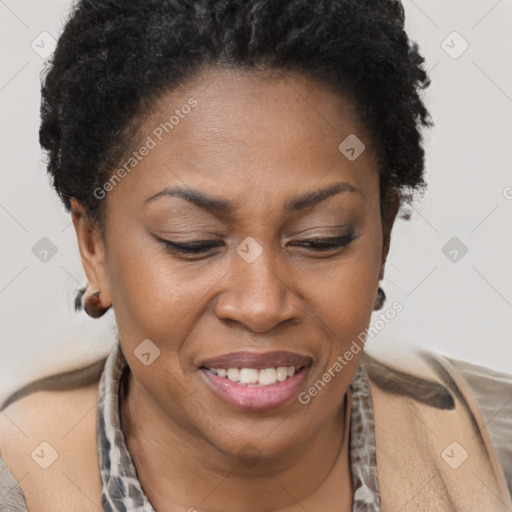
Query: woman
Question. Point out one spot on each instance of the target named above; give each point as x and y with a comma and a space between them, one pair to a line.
233, 171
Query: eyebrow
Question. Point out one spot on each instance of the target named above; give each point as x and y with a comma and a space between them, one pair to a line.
222, 206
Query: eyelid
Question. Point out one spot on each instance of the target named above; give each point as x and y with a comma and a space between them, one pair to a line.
188, 247
329, 242
324, 232
316, 244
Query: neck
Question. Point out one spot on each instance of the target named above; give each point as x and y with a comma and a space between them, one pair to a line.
197, 475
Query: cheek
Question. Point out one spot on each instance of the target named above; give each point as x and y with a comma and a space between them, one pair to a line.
342, 300
154, 295
343, 292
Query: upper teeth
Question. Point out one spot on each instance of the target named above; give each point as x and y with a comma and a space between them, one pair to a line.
263, 377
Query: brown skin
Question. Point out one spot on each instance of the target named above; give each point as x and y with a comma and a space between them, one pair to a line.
256, 143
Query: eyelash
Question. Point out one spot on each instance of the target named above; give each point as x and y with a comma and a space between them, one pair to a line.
318, 244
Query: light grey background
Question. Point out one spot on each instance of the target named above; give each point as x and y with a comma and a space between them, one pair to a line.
462, 309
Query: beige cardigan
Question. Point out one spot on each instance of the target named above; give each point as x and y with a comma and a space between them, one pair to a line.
434, 450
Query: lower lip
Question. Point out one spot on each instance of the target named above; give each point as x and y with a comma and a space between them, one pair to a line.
256, 398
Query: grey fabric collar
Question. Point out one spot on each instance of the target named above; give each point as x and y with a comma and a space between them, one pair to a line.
121, 489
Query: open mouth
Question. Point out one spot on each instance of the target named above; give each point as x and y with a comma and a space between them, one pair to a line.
256, 390
255, 377
256, 381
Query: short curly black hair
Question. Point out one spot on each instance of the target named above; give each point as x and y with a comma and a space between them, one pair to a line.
115, 57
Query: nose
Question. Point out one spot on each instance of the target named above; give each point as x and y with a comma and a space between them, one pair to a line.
258, 295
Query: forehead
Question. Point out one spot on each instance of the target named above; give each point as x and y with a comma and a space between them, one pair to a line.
246, 134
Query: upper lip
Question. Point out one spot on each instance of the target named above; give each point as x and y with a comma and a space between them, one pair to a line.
255, 360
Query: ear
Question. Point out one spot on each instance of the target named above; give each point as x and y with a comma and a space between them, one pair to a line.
389, 212
92, 252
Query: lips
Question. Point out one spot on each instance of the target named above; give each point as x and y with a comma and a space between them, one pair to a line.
245, 359
254, 382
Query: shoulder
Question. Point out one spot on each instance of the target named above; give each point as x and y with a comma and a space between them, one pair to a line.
426, 375
435, 379
48, 441
492, 390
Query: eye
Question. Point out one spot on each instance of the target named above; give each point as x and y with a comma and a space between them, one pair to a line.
208, 246
195, 247
326, 243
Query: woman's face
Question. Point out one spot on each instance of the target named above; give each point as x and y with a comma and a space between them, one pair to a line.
255, 154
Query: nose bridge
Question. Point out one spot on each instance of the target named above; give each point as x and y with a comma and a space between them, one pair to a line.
257, 294
256, 273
